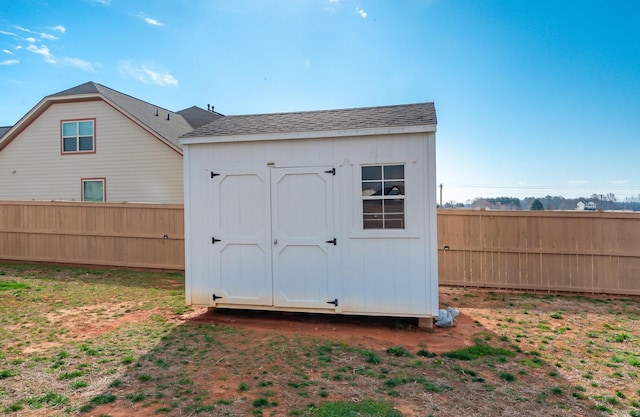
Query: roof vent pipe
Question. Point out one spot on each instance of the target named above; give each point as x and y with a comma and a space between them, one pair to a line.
167, 116
157, 113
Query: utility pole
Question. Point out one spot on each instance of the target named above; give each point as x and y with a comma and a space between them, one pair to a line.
441, 196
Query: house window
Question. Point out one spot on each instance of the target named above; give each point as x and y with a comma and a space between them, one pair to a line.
94, 189
78, 136
383, 197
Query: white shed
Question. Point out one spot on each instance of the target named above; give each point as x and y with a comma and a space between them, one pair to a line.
323, 211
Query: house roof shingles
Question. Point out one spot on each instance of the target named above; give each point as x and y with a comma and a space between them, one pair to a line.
198, 117
152, 116
418, 114
4, 129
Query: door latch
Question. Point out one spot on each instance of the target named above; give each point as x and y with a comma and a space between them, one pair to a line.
331, 171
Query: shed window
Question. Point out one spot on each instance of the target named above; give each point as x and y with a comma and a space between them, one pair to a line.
78, 136
383, 197
93, 190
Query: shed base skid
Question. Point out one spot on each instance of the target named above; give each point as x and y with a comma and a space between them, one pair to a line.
423, 322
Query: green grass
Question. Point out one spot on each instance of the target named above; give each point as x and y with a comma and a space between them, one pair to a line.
13, 285
172, 367
398, 351
477, 351
369, 408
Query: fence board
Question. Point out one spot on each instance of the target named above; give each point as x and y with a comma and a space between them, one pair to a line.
147, 236
596, 252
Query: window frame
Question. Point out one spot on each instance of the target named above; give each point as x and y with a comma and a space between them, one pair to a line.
77, 137
383, 197
104, 189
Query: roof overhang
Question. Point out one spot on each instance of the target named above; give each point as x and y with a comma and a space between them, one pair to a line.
378, 131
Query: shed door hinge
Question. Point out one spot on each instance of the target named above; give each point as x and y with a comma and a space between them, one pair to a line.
334, 241
214, 174
334, 302
214, 240
215, 297
331, 171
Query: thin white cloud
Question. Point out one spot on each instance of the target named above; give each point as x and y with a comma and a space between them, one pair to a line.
9, 62
2, 32
79, 63
103, 2
23, 29
619, 182
43, 51
31, 40
361, 12
49, 57
153, 22
43, 35
6, 51
147, 75
48, 36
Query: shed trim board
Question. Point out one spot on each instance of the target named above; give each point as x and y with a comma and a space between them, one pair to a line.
275, 222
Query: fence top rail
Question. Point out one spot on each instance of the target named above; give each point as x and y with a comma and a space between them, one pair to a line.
541, 213
89, 204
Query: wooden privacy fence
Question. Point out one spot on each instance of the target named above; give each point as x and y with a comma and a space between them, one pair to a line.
596, 252
580, 251
122, 235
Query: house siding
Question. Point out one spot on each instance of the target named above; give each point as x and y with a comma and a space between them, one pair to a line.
138, 167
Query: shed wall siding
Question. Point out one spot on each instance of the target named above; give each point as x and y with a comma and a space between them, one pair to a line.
390, 272
137, 166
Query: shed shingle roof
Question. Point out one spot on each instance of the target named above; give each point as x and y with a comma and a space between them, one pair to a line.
418, 114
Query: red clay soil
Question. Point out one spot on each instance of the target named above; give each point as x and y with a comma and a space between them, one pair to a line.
373, 333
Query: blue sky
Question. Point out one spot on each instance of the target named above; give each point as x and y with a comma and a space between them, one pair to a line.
533, 98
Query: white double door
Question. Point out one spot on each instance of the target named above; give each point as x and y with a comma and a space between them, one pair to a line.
273, 240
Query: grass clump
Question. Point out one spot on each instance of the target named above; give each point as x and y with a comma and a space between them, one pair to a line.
398, 351
50, 399
12, 285
7, 373
370, 408
476, 351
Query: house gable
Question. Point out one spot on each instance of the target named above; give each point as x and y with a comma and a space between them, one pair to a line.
136, 148
136, 166
166, 125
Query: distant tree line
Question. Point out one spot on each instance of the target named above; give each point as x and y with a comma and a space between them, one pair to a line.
602, 202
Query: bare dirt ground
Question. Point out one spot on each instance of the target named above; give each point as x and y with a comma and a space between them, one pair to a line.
572, 356
372, 333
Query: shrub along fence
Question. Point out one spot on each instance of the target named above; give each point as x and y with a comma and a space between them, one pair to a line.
593, 252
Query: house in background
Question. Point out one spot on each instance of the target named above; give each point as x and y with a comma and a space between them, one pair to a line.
92, 143
582, 205
325, 211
